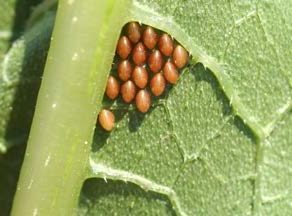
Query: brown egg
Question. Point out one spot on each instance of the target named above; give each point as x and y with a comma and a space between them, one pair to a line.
112, 88
180, 56
128, 91
165, 44
155, 61
134, 31
170, 72
150, 37
124, 47
125, 70
106, 119
139, 54
140, 76
157, 84
143, 101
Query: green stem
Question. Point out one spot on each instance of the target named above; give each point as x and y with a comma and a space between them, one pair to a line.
71, 92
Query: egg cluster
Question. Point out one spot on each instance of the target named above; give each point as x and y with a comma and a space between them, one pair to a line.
147, 60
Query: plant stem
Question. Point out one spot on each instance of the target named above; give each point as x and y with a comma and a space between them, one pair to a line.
71, 92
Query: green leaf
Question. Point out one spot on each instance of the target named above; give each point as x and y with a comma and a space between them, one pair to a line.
20, 80
218, 142
25, 54
22, 57
72, 88
13, 16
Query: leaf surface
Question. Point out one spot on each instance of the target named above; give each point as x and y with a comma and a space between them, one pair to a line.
219, 142
22, 57
212, 144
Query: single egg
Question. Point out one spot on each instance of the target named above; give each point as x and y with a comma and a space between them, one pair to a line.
180, 56
155, 61
157, 84
143, 101
170, 72
106, 119
165, 44
150, 37
140, 76
128, 91
124, 70
139, 54
112, 87
134, 32
124, 47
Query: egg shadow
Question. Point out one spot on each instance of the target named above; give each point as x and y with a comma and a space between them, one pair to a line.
136, 119
100, 135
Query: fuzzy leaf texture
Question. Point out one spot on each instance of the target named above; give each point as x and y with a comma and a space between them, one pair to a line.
22, 57
218, 143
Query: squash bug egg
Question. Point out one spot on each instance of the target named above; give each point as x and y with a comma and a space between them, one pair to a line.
112, 88
124, 70
146, 61
143, 101
124, 47
165, 44
140, 76
134, 32
155, 61
128, 91
150, 37
170, 72
139, 54
157, 84
180, 56
106, 119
